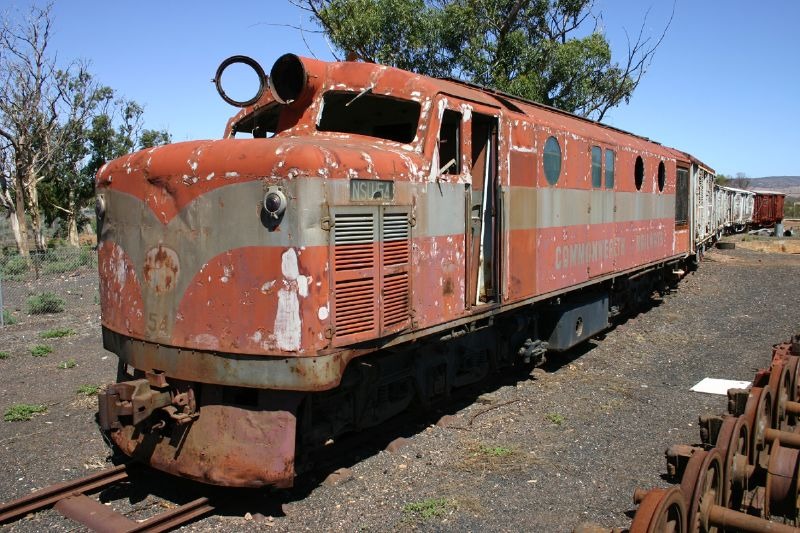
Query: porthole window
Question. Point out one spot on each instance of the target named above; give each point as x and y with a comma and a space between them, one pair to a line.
597, 166
609, 169
638, 173
552, 160
662, 176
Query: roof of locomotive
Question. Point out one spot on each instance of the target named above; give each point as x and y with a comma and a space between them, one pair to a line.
695, 161
359, 76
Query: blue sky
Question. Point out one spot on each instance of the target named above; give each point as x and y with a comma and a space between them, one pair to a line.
723, 85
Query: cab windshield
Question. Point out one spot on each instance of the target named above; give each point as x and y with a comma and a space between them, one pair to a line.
369, 114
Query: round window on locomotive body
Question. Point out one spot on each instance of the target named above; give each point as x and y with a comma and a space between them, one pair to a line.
662, 176
552, 160
638, 172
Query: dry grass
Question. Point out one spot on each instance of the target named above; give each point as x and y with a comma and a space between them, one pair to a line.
481, 458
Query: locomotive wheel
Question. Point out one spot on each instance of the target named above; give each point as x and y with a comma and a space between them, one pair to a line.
733, 444
780, 381
781, 488
702, 487
661, 510
794, 369
758, 415
793, 364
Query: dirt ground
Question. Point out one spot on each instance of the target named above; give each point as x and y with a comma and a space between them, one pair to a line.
538, 451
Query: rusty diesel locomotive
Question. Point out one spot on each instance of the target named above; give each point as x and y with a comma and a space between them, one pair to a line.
377, 238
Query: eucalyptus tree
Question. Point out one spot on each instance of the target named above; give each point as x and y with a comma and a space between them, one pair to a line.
549, 51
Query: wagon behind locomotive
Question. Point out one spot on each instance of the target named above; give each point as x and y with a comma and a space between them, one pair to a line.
768, 209
397, 237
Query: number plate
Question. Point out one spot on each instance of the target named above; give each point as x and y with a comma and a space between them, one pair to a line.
371, 190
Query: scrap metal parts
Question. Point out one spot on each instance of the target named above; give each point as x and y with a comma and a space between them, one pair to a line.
744, 476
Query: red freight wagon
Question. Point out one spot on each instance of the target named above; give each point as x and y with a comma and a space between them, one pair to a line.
380, 237
768, 209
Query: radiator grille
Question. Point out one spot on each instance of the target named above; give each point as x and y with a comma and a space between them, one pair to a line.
395, 299
354, 264
354, 235
395, 239
354, 306
353, 257
371, 256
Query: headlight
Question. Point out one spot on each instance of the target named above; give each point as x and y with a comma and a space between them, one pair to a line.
275, 202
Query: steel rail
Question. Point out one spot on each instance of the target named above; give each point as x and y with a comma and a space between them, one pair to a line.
70, 500
49, 496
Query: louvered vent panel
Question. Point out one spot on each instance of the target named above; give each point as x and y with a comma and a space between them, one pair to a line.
353, 257
395, 239
395, 234
354, 236
354, 263
395, 299
354, 306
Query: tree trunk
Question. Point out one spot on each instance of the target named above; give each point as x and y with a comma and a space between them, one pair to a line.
22, 245
18, 222
72, 219
37, 224
8, 202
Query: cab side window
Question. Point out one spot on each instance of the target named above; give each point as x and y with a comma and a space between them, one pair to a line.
450, 142
681, 197
597, 167
609, 169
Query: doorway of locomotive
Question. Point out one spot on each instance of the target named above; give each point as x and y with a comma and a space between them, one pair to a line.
483, 238
467, 147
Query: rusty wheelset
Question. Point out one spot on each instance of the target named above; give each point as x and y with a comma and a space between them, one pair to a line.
744, 477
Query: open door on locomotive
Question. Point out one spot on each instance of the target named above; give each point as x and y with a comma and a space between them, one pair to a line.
483, 237
467, 147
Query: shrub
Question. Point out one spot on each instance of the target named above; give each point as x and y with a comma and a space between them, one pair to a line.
8, 317
16, 265
4, 355
67, 259
22, 411
59, 267
87, 257
70, 363
41, 350
88, 390
57, 333
44, 303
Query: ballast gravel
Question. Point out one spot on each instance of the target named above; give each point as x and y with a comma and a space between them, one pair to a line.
540, 451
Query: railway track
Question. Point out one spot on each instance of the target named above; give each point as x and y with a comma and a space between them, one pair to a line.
71, 500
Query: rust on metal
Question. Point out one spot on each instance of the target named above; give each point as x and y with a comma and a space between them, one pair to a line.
70, 500
48, 496
661, 510
353, 210
747, 476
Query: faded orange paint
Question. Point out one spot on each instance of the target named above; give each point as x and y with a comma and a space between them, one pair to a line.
121, 306
237, 314
199, 283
